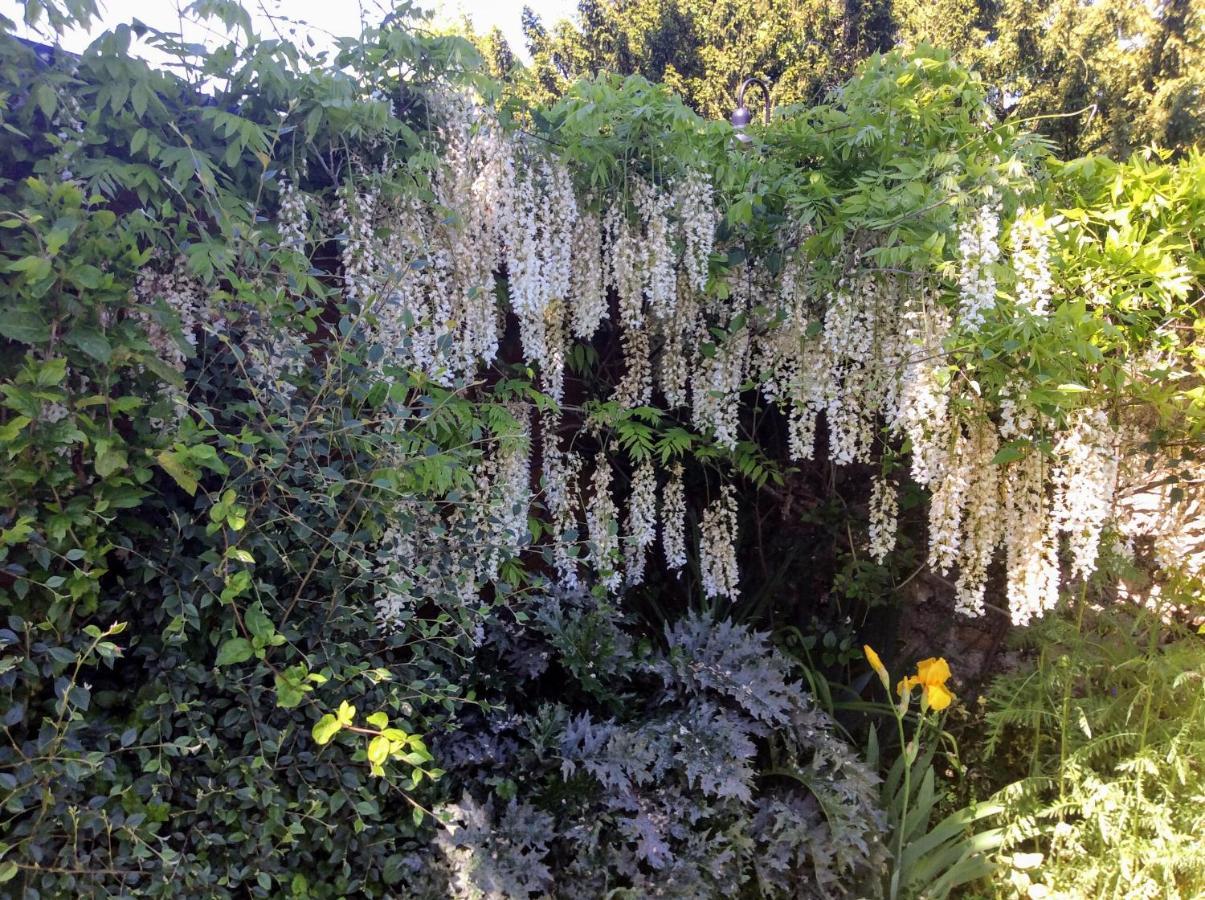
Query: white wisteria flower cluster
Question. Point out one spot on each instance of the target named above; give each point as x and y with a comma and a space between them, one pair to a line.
979, 250
844, 341
1030, 239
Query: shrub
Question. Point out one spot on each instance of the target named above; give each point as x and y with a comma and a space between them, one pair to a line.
692, 767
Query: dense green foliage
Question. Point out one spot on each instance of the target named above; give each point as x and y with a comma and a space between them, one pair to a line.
1109, 76
221, 519
199, 696
1107, 728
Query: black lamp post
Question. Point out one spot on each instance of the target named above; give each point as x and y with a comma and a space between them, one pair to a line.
741, 116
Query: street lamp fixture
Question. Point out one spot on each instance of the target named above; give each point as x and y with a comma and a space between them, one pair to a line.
741, 116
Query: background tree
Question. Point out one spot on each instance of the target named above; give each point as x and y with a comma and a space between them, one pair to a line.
1111, 76
1136, 68
497, 53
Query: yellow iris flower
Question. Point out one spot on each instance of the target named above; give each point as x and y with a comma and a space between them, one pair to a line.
877, 665
931, 677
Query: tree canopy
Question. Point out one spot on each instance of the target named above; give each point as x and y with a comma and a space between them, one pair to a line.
1106, 76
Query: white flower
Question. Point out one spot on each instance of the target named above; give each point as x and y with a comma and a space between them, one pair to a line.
1085, 479
694, 205
642, 520
602, 525
561, 497
673, 519
717, 547
884, 513
1029, 540
292, 221
979, 251
981, 519
1031, 261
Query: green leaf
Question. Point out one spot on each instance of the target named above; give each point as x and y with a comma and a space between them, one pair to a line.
110, 457
92, 342
234, 650
395, 868
378, 750
46, 99
184, 475
325, 729
51, 372
1008, 453
8, 870
35, 268
258, 622
85, 276
10, 429
139, 95
289, 693
379, 720
26, 327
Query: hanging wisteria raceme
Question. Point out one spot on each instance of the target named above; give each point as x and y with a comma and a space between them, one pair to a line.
602, 526
715, 389
396, 274
673, 519
1030, 540
656, 248
354, 217
717, 547
635, 385
726, 356
1019, 419
625, 264
293, 219
588, 294
561, 471
981, 528
641, 529
525, 284
556, 335
679, 342
853, 329
694, 205
475, 184
1030, 240
948, 501
503, 500
884, 516
979, 250
792, 361
808, 396
1085, 483
921, 411
172, 305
